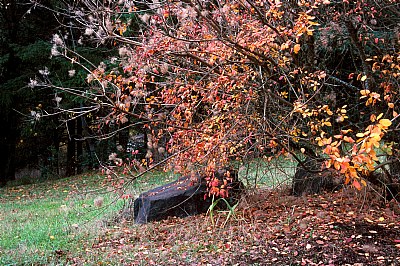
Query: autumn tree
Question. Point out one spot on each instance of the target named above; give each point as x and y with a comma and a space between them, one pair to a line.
226, 81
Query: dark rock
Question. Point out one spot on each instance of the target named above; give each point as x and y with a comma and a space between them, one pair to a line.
312, 178
181, 198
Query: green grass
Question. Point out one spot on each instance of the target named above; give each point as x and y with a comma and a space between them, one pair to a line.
273, 174
40, 222
46, 223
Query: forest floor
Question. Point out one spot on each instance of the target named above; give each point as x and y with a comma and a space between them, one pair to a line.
268, 227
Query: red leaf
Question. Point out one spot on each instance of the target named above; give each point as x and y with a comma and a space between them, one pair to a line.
356, 184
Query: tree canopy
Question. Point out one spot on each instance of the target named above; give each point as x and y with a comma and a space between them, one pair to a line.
222, 81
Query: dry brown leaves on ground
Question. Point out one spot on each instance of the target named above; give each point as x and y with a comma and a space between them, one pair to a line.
268, 228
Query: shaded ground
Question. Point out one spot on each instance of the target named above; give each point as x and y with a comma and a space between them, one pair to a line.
269, 228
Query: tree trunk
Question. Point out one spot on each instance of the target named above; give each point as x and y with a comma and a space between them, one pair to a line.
8, 139
79, 147
90, 143
56, 145
312, 178
394, 168
123, 138
71, 148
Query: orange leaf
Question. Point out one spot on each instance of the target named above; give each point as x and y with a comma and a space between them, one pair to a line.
296, 48
348, 139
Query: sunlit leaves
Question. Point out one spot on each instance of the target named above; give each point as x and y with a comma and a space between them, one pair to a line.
363, 156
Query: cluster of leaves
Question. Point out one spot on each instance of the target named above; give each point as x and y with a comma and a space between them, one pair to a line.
220, 81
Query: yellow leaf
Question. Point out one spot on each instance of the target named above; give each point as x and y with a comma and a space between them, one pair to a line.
363, 182
363, 78
379, 116
360, 135
385, 122
296, 48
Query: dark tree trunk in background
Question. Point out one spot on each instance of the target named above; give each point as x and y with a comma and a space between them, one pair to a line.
394, 166
395, 169
71, 148
90, 143
8, 138
79, 145
56, 144
123, 138
312, 178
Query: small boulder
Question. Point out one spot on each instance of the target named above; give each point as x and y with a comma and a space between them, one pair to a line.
183, 197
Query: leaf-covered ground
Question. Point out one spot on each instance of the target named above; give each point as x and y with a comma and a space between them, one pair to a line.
269, 228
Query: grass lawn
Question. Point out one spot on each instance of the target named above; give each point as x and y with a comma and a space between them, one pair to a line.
39, 223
